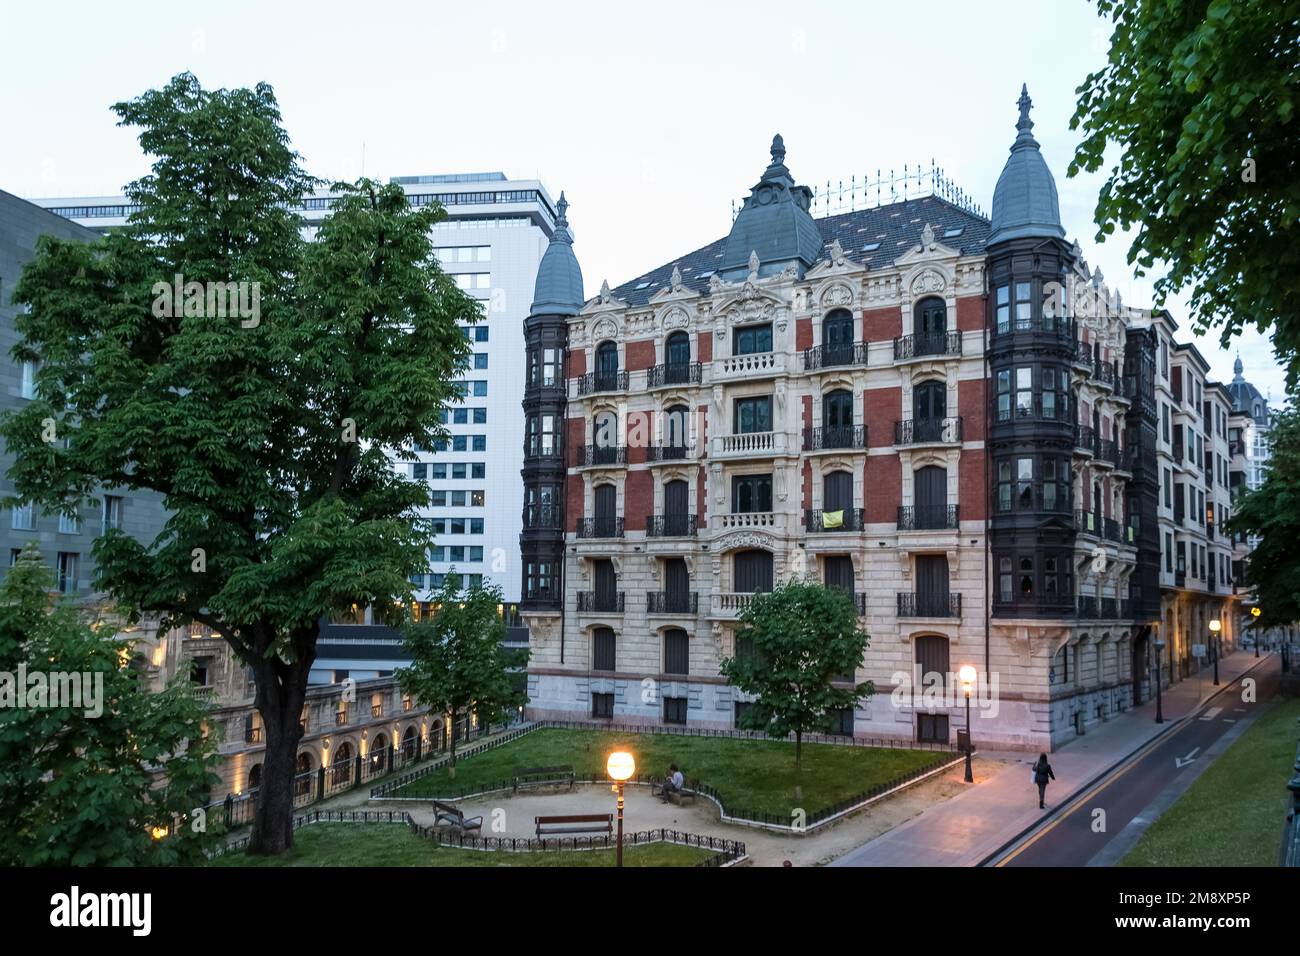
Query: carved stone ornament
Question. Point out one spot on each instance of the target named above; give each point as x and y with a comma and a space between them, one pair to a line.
744, 539
676, 280
927, 282
606, 328
836, 252
837, 296
606, 296
675, 319
927, 237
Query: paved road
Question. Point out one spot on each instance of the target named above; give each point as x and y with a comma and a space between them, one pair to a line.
1070, 840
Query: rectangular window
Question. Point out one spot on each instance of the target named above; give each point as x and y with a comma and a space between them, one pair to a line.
438, 471
753, 415
1024, 392
753, 340
455, 526
676, 652
460, 443
1003, 302
1004, 395
438, 499
674, 710
66, 567
480, 416
475, 525
20, 517
458, 469
111, 512
1024, 307
751, 493
480, 360
478, 443
480, 388
602, 706
460, 416
1005, 589
478, 470
1004, 486
69, 524
1049, 393
458, 499
29, 380
480, 333
477, 498
603, 652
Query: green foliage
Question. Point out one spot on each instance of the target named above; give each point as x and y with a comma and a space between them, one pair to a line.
802, 635
458, 661
77, 789
267, 440
1202, 97
1272, 512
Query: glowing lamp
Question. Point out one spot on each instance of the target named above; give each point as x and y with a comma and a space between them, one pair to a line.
620, 766
967, 677
1215, 626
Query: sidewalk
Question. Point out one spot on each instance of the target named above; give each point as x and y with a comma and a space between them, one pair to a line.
964, 830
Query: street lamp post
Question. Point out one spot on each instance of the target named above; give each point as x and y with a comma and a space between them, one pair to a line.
967, 677
620, 767
1215, 627
1160, 648
1254, 613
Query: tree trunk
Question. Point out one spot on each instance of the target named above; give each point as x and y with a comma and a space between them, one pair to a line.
798, 765
281, 690
451, 744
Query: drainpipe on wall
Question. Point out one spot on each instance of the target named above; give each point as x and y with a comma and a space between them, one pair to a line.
988, 464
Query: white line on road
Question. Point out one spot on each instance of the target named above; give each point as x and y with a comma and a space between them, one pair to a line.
1211, 713
1181, 762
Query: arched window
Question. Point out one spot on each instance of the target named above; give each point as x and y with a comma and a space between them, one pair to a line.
255, 777
606, 362
677, 350
837, 491
930, 323
837, 338
929, 401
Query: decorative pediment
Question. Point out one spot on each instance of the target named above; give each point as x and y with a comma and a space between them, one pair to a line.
837, 265
604, 301
927, 250
674, 317
675, 289
606, 327
928, 282
837, 295
752, 303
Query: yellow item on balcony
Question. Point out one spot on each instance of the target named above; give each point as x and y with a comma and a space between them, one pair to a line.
833, 519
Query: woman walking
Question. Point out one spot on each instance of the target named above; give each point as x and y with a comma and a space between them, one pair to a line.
1042, 774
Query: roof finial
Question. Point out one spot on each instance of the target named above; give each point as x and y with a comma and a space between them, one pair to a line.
1025, 125
778, 150
562, 207
1237, 367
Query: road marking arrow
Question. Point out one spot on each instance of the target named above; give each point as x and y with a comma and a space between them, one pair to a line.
1181, 762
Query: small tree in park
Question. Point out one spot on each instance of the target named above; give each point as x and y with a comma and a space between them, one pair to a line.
791, 646
459, 664
80, 773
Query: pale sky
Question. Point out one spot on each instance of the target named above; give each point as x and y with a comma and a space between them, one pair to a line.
653, 118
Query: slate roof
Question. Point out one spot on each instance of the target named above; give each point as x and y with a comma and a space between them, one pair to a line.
1025, 204
558, 289
897, 227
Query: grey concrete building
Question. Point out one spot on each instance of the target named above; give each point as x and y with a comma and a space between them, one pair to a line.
65, 544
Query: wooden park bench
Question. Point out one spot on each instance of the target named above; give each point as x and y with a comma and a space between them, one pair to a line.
446, 815
582, 824
542, 776
688, 793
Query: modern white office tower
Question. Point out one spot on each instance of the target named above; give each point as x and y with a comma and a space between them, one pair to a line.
492, 240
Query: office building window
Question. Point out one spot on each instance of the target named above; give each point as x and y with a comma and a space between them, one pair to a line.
480, 416
66, 568
478, 443
69, 524
480, 360
458, 469
112, 512
29, 380
21, 518
460, 416
480, 388
477, 498
478, 470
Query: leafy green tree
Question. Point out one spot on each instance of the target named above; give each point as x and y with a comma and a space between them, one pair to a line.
1272, 512
1201, 96
458, 663
79, 779
791, 645
266, 435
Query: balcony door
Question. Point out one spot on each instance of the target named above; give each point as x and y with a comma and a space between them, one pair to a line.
930, 487
677, 585
929, 402
931, 320
837, 491
837, 572
676, 420
933, 664
677, 506
837, 419
837, 338
606, 363
677, 354
753, 571
606, 506
932, 585
606, 582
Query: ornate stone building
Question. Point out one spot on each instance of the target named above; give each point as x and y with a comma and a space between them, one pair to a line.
940, 413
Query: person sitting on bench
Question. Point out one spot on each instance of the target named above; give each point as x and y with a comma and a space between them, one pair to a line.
673, 783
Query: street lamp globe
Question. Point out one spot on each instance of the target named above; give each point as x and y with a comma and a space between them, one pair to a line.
1215, 626
620, 766
966, 674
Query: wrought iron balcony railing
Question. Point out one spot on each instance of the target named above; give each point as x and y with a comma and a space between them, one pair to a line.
671, 526
912, 604
671, 602
595, 602
834, 356
600, 527
594, 382
673, 373
927, 517
924, 344
926, 430
668, 453
844, 519
829, 437
589, 455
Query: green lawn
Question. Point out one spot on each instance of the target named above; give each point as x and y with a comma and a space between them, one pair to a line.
755, 775
376, 844
1233, 814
